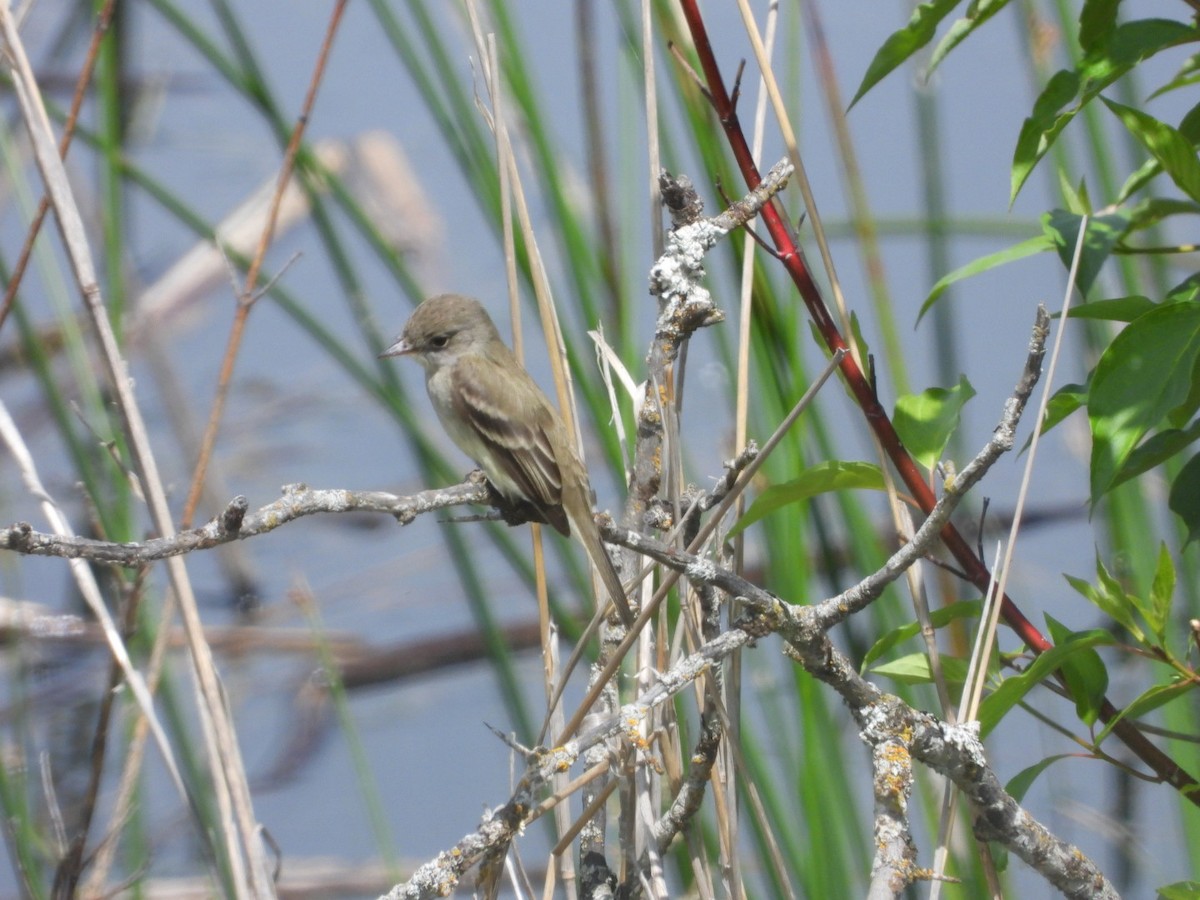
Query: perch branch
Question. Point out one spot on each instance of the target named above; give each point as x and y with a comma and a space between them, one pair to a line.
234, 523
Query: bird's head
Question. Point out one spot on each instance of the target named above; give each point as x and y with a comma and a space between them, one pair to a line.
442, 329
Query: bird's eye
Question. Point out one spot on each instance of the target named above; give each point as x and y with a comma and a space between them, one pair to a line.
438, 341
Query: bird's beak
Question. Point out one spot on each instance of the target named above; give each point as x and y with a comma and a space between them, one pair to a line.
399, 348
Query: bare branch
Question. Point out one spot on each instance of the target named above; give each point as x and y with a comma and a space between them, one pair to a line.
862, 594
895, 865
234, 524
885, 721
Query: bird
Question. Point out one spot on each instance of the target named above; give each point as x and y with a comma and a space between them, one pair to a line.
494, 411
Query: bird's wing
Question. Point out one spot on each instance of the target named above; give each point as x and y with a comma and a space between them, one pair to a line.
516, 427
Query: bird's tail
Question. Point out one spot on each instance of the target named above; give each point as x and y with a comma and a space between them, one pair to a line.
589, 533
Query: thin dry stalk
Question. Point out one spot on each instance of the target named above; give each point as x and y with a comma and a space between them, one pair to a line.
754, 798
975, 679
788, 134
85, 78
590, 811
977, 672
508, 172
596, 133
949, 810
868, 241
85, 580
900, 514
653, 154
548, 314
646, 789
243, 843
863, 221
130, 770
733, 675
696, 546
552, 331
70, 867
246, 301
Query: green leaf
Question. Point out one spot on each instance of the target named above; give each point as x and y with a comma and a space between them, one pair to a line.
1172, 150
977, 14
1144, 374
1180, 890
914, 669
1075, 199
1111, 599
1188, 289
1153, 210
1148, 701
1012, 690
1042, 128
835, 475
1103, 233
1097, 20
1084, 672
1156, 450
1115, 52
1118, 309
860, 340
1023, 780
1181, 417
1188, 74
1189, 127
926, 421
938, 618
1127, 45
1138, 179
1039, 244
902, 44
1184, 499
1162, 590
1066, 400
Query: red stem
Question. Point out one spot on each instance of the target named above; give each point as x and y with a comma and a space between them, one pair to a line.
877, 417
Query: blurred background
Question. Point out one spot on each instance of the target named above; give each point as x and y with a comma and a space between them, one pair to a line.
183, 135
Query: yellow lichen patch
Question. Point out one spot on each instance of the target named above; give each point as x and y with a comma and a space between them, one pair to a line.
896, 753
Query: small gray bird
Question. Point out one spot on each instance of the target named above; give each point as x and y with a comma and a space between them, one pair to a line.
499, 417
